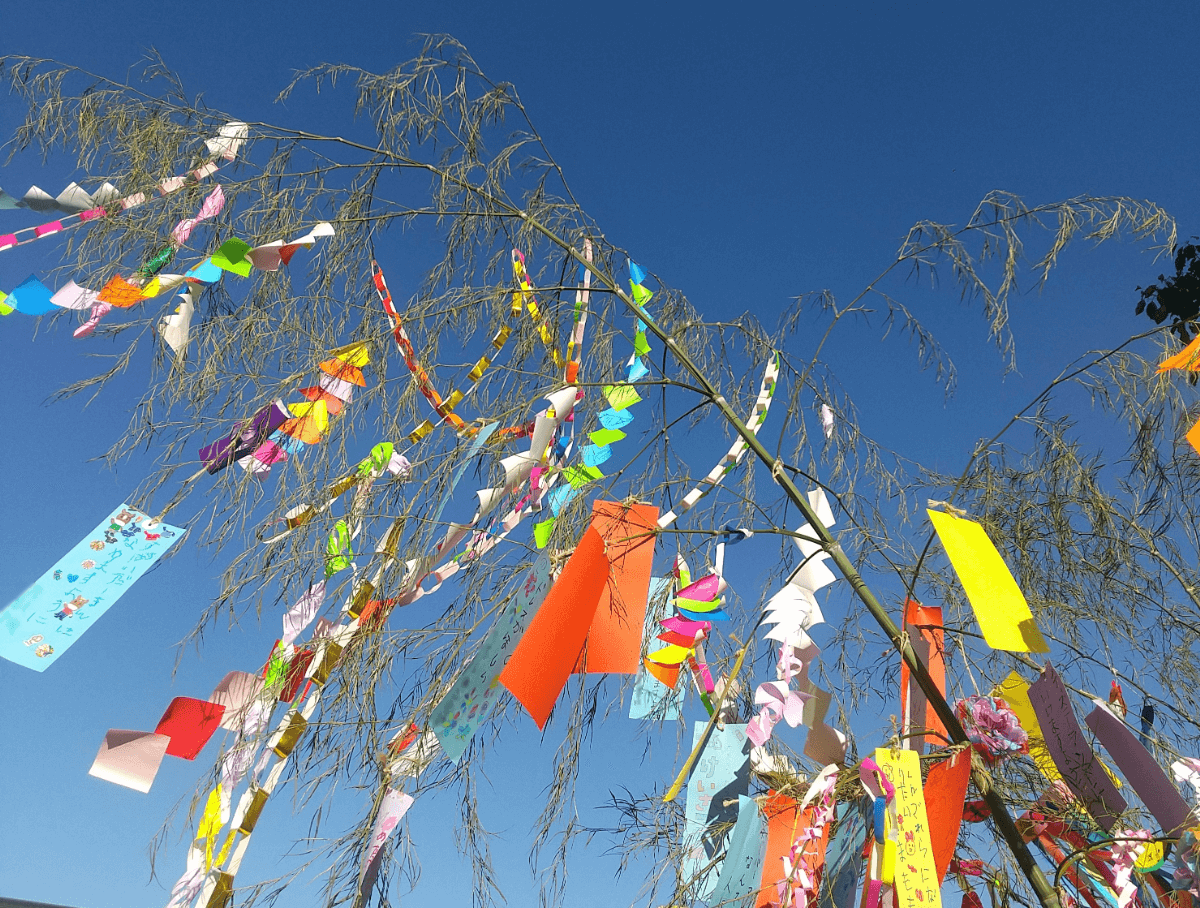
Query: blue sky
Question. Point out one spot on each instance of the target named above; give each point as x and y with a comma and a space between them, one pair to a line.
748, 154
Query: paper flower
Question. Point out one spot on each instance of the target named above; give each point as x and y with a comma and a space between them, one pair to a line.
991, 726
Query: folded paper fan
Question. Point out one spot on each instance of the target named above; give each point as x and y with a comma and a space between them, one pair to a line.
309, 424
665, 674
357, 354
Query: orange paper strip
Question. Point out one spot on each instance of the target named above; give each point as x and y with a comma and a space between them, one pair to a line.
667, 674
930, 645
784, 823
543, 660
614, 643
945, 796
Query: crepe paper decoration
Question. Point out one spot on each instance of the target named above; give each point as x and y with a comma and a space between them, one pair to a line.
271, 256
235, 694
917, 884
548, 650
286, 669
613, 419
189, 723
651, 697
1140, 768
130, 758
991, 726
527, 297
742, 868
244, 438
232, 257
174, 328
45, 620
120, 293
206, 272
212, 205
843, 856
923, 624
72, 296
614, 641
470, 699
945, 795
999, 605
1187, 358
443, 407
99, 310
605, 437
721, 774
228, 140
392, 809
778, 702
31, 297
343, 371
621, 397
755, 422
304, 610
1078, 764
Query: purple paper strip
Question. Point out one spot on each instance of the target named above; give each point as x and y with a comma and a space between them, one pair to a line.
240, 442
1141, 769
1080, 767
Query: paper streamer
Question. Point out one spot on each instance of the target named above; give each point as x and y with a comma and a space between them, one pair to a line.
742, 868
1015, 691
916, 877
190, 724
392, 809
755, 422
548, 651
1080, 768
45, 620
472, 696
1140, 769
721, 774
1000, 607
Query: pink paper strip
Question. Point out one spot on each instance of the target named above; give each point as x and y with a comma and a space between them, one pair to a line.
7, 240
46, 229
1080, 768
1140, 768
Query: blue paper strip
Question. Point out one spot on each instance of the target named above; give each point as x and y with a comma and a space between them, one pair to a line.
206, 272
484, 434
42, 623
594, 455
637, 370
636, 274
651, 698
741, 871
471, 697
721, 774
615, 419
843, 856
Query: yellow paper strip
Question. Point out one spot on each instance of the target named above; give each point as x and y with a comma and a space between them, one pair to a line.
999, 605
916, 880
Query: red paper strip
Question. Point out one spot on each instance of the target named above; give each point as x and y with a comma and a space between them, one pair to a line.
543, 660
930, 645
945, 800
614, 643
189, 723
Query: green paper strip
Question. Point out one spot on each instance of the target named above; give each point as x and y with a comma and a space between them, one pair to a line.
232, 257
620, 397
641, 295
579, 476
698, 605
641, 346
4, 310
541, 532
606, 436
